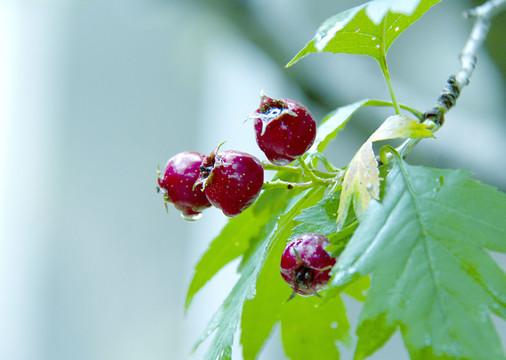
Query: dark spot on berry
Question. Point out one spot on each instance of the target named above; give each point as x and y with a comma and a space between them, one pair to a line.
303, 276
205, 171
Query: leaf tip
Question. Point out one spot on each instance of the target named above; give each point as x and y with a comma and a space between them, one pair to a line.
295, 59
308, 49
188, 302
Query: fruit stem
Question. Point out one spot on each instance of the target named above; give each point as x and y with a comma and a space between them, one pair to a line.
297, 170
330, 167
268, 166
280, 184
314, 179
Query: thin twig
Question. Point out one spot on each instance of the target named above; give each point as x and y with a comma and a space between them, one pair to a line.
434, 118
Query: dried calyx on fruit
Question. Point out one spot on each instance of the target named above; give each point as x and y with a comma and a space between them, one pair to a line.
306, 265
177, 184
232, 180
285, 129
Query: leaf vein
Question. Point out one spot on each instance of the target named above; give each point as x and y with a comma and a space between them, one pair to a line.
473, 219
425, 235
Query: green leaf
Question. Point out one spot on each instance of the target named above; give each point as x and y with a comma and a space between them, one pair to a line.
261, 313
337, 120
397, 126
320, 218
226, 319
425, 247
338, 240
358, 289
361, 182
238, 236
310, 329
367, 29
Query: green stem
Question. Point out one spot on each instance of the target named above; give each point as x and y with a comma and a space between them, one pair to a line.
315, 180
307, 170
386, 74
415, 112
328, 166
269, 166
279, 184
298, 170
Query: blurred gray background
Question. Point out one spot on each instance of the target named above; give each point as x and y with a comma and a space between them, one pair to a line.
94, 94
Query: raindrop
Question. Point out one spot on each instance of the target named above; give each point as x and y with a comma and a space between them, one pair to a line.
373, 38
396, 29
333, 325
357, 30
193, 217
378, 46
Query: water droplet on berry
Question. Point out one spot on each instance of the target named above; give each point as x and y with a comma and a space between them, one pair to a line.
193, 217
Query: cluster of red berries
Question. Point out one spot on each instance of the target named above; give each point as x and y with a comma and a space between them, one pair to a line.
231, 180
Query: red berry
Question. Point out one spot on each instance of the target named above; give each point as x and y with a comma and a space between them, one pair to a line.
177, 184
232, 179
306, 265
285, 129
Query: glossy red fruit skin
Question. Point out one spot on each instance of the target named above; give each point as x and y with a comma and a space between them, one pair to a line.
285, 129
234, 180
177, 184
306, 265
